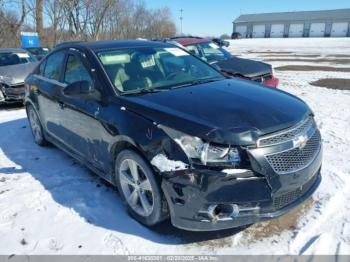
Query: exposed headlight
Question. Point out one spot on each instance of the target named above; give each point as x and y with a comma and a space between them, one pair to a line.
196, 148
6, 79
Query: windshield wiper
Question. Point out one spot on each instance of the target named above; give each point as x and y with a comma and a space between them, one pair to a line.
197, 82
142, 91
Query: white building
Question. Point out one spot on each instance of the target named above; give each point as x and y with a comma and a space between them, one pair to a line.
327, 23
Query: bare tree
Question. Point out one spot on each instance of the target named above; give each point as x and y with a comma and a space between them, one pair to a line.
39, 18
11, 23
97, 16
60, 20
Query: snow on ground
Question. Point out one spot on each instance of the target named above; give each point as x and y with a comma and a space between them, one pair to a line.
322, 46
49, 204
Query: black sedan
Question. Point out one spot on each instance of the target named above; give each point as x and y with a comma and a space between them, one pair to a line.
212, 52
175, 136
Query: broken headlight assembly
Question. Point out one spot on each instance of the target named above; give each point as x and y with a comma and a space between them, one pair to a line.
5, 79
196, 148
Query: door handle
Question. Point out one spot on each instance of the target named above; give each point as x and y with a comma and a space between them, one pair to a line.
61, 105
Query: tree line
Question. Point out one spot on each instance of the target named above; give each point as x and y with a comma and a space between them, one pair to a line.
62, 20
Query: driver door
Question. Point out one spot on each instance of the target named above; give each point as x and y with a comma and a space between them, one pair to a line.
83, 131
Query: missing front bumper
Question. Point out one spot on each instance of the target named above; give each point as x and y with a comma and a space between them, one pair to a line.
191, 196
246, 216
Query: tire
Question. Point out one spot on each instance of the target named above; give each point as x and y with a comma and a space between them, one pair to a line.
139, 189
35, 126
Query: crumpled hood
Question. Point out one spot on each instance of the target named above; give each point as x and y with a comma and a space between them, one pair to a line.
16, 74
245, 67
230, 111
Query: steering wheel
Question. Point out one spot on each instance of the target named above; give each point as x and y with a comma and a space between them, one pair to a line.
171, 76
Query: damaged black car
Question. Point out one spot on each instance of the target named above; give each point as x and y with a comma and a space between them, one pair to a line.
176, 137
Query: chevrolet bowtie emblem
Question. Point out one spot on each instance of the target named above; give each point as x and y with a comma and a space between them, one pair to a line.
300, 141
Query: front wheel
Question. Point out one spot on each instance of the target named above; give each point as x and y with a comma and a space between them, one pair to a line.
139, 188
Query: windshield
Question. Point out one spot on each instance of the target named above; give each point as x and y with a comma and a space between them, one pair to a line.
14, 58
39, 50
209, 51
134, 70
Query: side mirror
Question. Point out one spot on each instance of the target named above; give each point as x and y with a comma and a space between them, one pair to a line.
78, 88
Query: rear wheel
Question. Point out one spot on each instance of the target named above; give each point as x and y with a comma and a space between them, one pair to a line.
139, 188
35, 126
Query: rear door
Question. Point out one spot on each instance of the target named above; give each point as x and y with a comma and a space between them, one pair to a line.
48, 88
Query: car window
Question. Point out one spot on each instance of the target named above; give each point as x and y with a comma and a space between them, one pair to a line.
14, 58
54, 65
142, 68
193, 49
75, 70
212, 52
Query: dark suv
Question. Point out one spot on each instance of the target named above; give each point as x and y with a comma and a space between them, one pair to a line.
174, 135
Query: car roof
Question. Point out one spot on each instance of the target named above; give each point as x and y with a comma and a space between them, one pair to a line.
12, 50
191, 40
38, 47
114, 44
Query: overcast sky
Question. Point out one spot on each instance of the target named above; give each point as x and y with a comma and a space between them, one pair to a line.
214, 17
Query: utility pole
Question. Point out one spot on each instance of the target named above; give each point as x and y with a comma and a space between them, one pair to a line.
181, 18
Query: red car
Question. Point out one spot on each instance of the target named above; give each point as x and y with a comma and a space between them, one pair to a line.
229, 64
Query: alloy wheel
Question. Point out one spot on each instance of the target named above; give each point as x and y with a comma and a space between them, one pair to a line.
136, 187
35, 125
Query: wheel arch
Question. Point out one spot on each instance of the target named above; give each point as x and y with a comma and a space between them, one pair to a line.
30, 103
126, 143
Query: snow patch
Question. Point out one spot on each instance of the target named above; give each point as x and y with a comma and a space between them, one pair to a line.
164, 164
234, 171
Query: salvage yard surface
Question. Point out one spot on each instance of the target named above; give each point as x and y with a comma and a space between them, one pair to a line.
49, 204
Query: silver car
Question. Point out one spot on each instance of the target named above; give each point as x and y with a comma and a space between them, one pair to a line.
15, 65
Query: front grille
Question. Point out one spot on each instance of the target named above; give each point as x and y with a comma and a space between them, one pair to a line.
289, 197
286, 199
262, 78
296, 158
15, 90
288, 134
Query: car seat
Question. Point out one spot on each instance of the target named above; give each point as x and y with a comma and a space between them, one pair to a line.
137, 77
117, 75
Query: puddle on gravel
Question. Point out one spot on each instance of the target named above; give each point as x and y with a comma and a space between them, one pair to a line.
218, 243
333, 83
261, 230
312, 68
289, 55
276, 226
321, 60
269, 52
